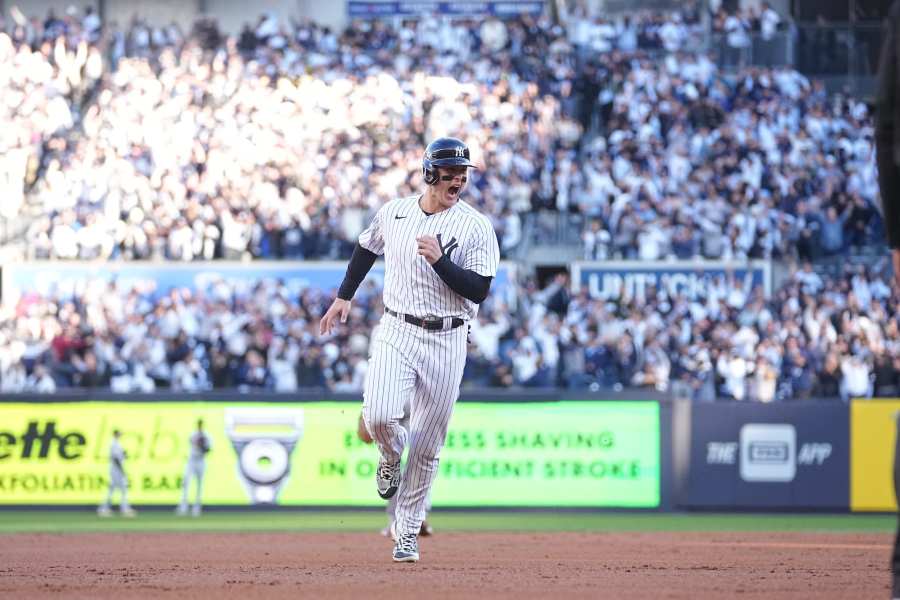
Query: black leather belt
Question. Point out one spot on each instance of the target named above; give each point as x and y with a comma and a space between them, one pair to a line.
429, 324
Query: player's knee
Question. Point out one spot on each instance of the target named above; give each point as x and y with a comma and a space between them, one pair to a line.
379, 426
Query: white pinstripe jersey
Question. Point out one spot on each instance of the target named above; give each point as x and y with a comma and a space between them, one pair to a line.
411, 285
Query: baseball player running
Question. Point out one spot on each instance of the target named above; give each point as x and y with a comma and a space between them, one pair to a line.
199, 446
117, 479
440, 257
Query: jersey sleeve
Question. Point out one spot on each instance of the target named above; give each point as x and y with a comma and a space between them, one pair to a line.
372, 238
483, 254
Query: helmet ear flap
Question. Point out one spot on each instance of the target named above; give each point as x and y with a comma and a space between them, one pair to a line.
429, 173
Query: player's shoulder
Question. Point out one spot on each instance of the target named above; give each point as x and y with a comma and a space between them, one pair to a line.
478, 218
397, 204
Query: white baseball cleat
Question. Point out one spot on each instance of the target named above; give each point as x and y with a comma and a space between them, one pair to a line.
407, 548
387, 478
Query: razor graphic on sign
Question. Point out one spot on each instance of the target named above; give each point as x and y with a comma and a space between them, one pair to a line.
768, 452
264, 439
775, 453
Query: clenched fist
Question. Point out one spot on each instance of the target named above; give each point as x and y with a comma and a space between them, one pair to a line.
429, 248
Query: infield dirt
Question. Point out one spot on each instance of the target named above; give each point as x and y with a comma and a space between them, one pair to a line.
767, 566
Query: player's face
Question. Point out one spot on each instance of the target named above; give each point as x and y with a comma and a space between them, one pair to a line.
450, 184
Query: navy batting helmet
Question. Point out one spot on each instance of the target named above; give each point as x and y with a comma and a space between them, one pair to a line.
444, 152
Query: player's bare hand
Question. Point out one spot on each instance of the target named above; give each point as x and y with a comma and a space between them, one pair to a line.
339, 309
429, 248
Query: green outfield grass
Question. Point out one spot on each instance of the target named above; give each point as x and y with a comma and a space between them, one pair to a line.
15, 521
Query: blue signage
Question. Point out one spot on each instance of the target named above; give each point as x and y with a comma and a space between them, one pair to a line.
509, 8
70, 278
614, 280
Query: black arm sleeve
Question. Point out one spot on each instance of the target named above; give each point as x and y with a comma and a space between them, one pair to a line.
360, 262
466, 283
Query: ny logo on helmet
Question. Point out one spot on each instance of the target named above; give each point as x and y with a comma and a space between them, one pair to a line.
460, 152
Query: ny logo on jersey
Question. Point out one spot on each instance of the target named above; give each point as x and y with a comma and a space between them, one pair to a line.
450, 247
460, 152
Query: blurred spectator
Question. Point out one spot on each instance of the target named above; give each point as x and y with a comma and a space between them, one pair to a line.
40, 381
829, 379
857, 378
765, 381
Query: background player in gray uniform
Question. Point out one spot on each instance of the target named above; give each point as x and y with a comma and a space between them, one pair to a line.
117, 479
199, 445
440, 257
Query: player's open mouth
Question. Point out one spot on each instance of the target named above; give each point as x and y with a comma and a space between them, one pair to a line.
453, 190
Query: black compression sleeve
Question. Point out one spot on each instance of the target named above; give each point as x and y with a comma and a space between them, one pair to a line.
466, 283
360, 262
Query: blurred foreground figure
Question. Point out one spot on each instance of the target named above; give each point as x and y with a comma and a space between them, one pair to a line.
887, 147
895, 557
887, 135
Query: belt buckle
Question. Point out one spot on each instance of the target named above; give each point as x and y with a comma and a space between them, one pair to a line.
433, 324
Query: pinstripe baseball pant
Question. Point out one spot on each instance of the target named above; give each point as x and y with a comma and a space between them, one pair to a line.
411, 366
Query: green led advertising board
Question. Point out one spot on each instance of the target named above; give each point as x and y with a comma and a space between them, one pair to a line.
603, 454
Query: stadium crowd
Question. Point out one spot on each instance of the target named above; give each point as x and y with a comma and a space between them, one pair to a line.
765, 166
47, 71
153, 143
738, 25
817, 336
280, 142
